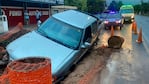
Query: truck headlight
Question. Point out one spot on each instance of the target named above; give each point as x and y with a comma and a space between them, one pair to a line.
132, 16
106, 22
119, 21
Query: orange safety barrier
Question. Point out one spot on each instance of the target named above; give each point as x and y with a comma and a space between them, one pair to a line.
133, 25
139, 40
28, 71
112, 31
135, 28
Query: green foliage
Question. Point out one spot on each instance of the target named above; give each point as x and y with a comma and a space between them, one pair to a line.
137, 8
92, 6
115, 6
142, 8
120, 3
81, 4
145, 7
95, 6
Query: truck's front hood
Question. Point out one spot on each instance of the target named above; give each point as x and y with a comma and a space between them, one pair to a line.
113, 19
33, 44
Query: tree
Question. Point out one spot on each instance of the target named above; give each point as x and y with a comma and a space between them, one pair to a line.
120, 3
83, 5
95, 6
91, 6
80, 4
70, 2
113, 6
143, 8
137, 9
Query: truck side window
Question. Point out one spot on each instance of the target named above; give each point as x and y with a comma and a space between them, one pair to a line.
87, 36
94, 27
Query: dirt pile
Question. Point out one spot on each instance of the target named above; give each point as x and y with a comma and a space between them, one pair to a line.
13, 37
115, 42
4, 58
91, 59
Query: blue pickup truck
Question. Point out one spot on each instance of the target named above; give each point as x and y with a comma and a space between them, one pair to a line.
64, 38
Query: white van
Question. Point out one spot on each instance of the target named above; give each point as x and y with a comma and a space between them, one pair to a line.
127, 12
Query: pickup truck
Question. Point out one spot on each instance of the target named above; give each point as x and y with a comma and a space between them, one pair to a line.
64, 38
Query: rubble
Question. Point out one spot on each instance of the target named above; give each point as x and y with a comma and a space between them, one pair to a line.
115, 42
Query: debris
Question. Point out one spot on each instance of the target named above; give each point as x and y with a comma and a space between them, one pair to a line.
115, 42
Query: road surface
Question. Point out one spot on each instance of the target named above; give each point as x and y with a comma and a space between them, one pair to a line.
143, 22
130, 64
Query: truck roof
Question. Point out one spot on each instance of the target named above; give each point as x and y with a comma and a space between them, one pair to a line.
75, 18
126, 7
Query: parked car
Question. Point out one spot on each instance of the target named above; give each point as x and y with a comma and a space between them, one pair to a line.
64, 38
113, 19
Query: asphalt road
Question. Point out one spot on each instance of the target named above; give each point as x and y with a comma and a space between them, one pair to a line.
128, 65
143, 22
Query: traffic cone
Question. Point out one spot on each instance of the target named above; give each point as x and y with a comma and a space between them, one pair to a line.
133, 25
139, 40
135, 29
112, 31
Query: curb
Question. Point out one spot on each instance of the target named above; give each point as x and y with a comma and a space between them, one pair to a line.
146, 43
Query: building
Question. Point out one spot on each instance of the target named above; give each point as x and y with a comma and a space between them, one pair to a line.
15, 10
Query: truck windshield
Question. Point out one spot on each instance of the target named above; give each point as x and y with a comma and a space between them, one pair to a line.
127, 11
110, 16
62, 33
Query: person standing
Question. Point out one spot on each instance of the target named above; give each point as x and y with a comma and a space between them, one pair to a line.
38, 15
26, 16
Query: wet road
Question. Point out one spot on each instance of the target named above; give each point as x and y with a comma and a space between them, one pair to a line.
143, 22
128, 65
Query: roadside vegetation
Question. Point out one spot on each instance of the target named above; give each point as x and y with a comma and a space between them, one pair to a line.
90, 6
142, 8
98, 6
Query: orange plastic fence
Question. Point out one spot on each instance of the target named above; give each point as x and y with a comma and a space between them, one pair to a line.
28, 71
